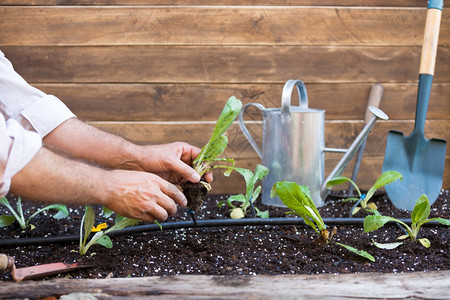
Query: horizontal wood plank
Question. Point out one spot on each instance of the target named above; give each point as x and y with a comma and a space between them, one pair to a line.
209, 25
414, 285
394, 3
204, 102
338, 134
211, 64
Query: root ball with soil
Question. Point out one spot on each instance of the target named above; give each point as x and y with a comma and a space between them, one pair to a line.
195, 194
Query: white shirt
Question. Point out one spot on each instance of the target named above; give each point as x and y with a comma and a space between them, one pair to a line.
26, 116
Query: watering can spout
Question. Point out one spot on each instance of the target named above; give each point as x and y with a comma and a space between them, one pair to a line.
350, 152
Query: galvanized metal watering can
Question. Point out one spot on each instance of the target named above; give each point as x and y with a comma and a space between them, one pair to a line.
293, 146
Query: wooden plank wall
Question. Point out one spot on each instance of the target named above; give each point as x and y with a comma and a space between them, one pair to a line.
161, 71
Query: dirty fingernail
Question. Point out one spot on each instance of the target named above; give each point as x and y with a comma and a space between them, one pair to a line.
195, 177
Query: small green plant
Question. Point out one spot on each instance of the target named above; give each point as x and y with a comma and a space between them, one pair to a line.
101, 237
218, 141
419, 217
208, 158
6, 220
251, 194
363, 200
298, 198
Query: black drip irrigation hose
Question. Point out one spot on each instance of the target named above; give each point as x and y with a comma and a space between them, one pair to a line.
191, 224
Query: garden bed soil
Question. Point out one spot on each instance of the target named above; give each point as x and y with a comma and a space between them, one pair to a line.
234, 250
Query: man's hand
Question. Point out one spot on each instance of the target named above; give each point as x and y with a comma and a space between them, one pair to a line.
171, 161
49, 177
80, 140
142, 195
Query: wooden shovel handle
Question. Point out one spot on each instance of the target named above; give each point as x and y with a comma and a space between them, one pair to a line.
374, 100
6, 262
431, 36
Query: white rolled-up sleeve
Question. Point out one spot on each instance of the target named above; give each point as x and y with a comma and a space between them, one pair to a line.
26, 116
18, 147
32, 108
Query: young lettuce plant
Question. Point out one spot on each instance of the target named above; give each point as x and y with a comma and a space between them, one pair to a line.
100, 237
6, 220
208, 157
251, 194
298, 198
363, 200
419, 217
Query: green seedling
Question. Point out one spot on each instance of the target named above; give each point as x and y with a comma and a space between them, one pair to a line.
6, 220
101, 237
251, 194
419, 217
218, 141
209, 156
298, 198
363, 200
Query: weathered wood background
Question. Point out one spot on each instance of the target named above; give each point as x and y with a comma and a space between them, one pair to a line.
413, 285
161, 71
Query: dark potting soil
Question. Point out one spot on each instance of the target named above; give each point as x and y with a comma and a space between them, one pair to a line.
246, 250
195, 194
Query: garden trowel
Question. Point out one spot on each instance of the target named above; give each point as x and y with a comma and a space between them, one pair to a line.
19, 274
420, 161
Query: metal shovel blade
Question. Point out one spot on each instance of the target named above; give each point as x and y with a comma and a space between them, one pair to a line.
420, 161
43, 270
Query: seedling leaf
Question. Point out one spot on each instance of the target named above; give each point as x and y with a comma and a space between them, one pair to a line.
6, 220
216, 148
262, 214
403, 237
229, 113
105, 241
352, 199
372, 206
19, 219
62, 211
298, 198
251, 194
421, 210
442, 221
256, 193
374, 222
355, 211
107, 212
218, 142
122, 224
340, 180
358, 252
425, 242
237, 198
387, 246
385, 178
87, 221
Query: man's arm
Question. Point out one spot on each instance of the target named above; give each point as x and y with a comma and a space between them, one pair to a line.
80, 140
49, 177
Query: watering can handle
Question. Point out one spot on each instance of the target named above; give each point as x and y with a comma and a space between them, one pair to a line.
244, 128
287, 92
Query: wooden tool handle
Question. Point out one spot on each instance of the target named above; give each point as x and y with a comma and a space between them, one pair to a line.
374, 100
431, 36
6, 262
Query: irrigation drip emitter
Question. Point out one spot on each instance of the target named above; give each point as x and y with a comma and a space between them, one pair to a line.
191, 224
